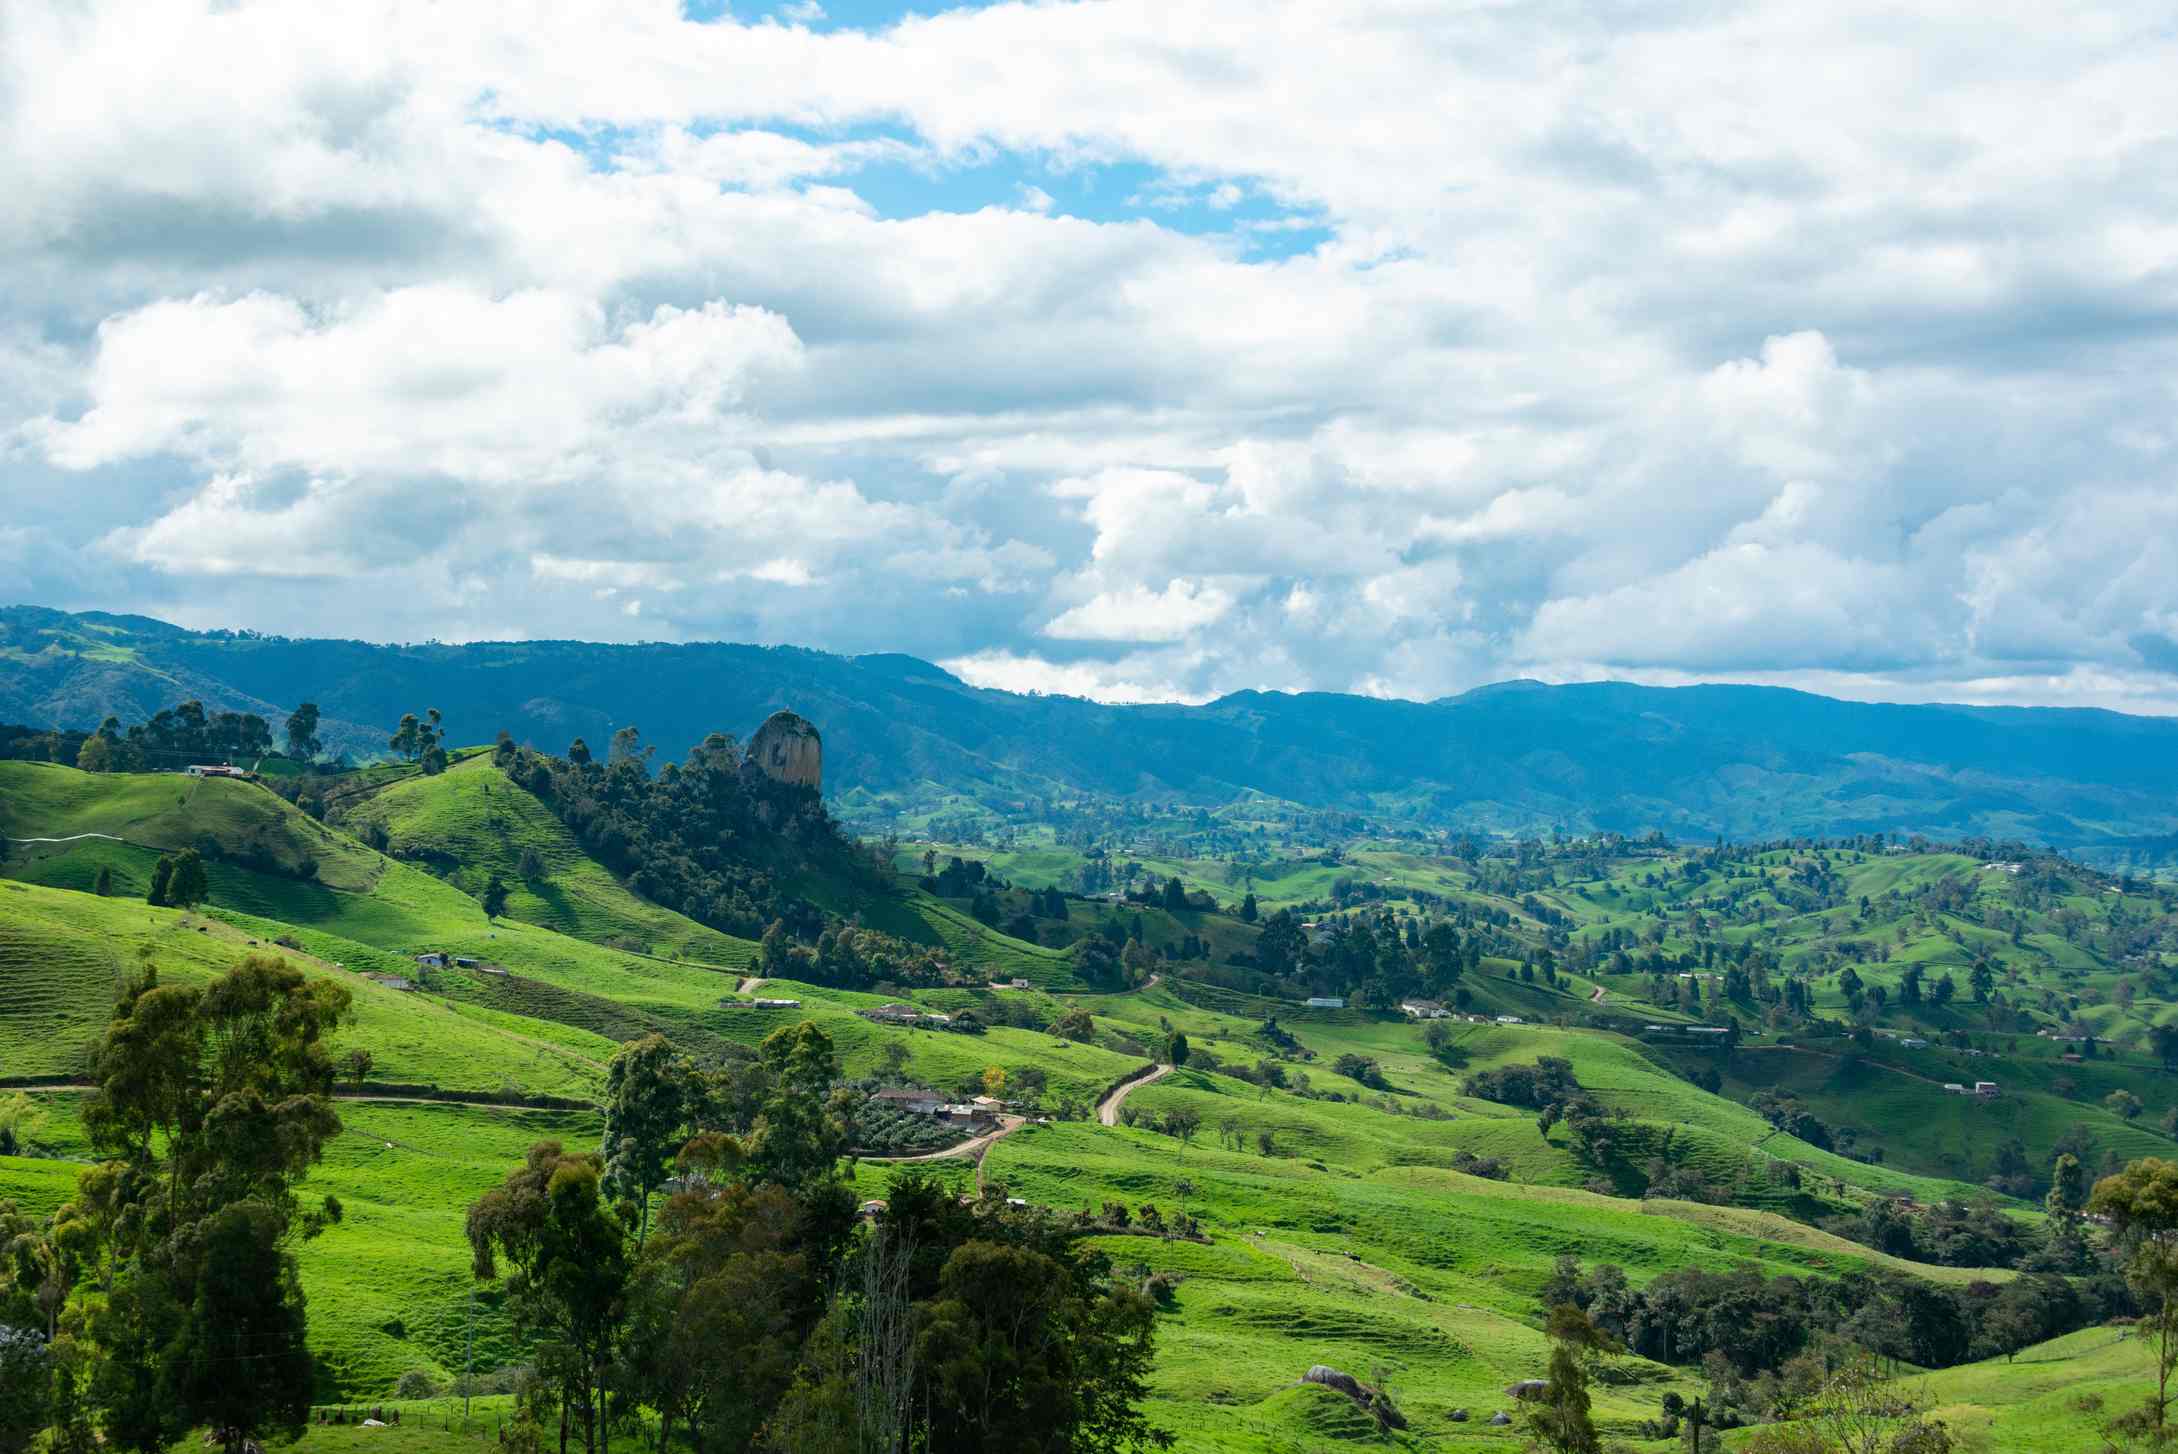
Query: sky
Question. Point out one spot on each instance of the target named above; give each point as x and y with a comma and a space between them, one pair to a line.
1142, 351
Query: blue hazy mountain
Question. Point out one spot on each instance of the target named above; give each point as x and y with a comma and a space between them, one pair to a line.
1740, 761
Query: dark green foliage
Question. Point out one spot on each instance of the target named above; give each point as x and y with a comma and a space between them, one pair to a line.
568, 1260
711, 837
179, 881
1949, 1233
646, 1119
214, 1101
1549, 1081
494, 897
238, 1363
1788, 1116
1362, 1068
1758, 1324
302, 733
1020, 1344
26, 1387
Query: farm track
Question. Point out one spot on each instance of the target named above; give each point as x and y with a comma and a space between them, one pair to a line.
977, 1147
1108, 1108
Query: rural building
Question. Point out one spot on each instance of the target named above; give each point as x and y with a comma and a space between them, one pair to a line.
914, 1102
1985, 1087
1327, 1002
432, 961
1914, 1042
463, 961
1423, 1009
1952, 1087
764, 1004
215, 770
393, 982
1508, 1020
899, 1014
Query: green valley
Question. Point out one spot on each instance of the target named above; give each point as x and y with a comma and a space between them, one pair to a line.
1424, 1089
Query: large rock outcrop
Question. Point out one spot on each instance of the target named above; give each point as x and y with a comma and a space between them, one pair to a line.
787, 748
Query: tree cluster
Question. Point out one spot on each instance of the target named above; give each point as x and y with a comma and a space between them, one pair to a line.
760, 1312
174, 738
164, 1296
712, 837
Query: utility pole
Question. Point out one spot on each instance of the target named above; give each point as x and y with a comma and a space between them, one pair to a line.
468, 1372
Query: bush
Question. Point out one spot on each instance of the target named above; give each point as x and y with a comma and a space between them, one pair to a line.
1547, 1082
416, 1383
1363, 1069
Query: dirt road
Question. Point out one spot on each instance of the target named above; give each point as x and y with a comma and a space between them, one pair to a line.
1108, 1108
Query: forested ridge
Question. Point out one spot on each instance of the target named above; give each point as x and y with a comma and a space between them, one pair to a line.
902, 734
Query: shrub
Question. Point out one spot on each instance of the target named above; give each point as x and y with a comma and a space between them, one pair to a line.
416, 1383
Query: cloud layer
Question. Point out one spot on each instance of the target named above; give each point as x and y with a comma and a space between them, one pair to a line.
1391, 348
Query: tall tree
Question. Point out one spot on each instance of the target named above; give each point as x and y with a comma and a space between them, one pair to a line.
238, 1362
495, 897
1560, 1418
162, 883
2067, 1189
646, 1120
2141, 1203
569, 1263
188, 886
215, 1102
302, 733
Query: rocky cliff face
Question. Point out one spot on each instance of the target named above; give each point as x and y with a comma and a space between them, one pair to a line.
787, 748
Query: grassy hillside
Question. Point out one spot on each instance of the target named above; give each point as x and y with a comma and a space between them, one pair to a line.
476, 824
1339, 1226
169, 811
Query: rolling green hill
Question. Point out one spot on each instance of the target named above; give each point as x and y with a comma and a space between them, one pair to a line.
1342, 1221
477, 824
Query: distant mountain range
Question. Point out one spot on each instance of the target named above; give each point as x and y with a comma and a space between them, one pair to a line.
1744, 762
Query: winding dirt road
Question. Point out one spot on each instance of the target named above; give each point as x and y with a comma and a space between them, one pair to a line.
1108, 1108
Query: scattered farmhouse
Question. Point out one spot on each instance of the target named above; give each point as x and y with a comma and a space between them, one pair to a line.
393, 982
1423, 1009
1327, 1002
914, 1102
217, 770
899, 1014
